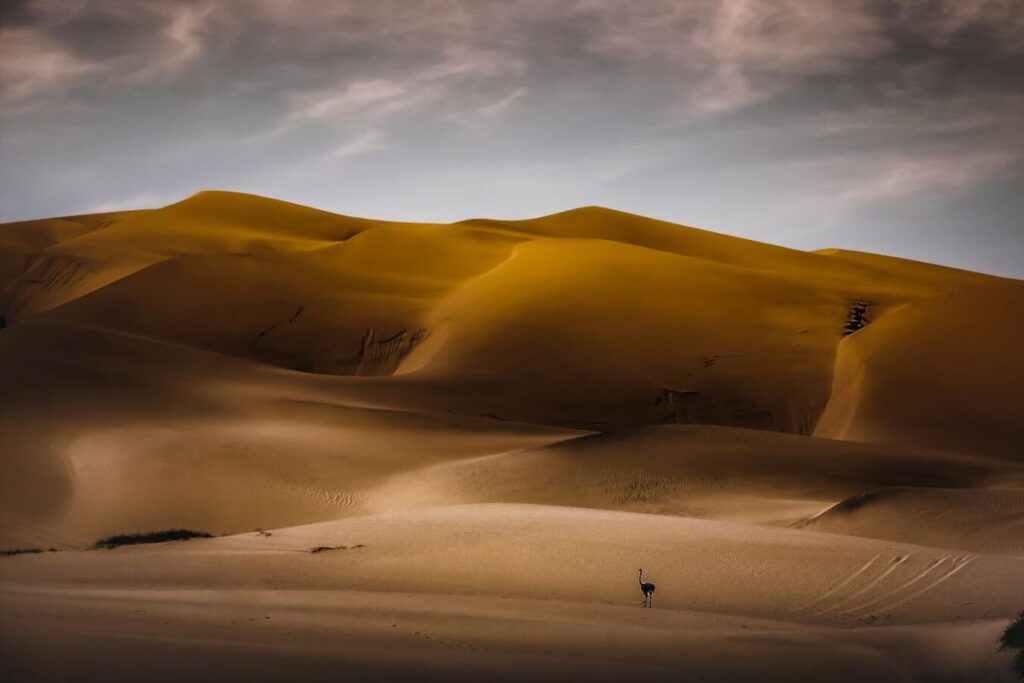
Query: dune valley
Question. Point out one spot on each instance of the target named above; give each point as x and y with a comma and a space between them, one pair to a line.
443, 452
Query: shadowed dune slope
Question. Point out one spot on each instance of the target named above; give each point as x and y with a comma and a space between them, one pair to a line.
590, 318
740, 475
966, 519
62, 259
109, 433
448, 448
945, 372
150, 361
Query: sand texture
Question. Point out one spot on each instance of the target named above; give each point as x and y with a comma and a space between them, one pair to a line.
441, 452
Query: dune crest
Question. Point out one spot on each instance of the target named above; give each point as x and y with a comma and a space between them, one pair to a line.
464, 423
590, 318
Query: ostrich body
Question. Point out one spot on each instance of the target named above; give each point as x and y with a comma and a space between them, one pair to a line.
647, 589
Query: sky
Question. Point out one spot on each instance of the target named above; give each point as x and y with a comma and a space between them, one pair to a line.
894, 127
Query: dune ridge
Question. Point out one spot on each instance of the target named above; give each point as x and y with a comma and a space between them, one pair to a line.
471, 421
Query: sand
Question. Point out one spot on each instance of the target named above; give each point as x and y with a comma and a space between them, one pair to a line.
488, 427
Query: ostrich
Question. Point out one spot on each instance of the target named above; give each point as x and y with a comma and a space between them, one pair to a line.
647, 589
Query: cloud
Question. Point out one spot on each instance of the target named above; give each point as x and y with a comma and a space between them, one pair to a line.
713, 56
49, 59
178, 43
455, 87
380, 94
33, 65
943, 21
733, 53
498, 106
897, 176
363, 143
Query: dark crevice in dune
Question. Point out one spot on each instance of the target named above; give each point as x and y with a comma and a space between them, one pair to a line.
264, 332
382, 355
856, 317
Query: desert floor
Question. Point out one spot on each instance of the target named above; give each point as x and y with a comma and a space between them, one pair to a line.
442, 452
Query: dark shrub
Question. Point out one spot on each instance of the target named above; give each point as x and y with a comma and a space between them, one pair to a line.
1013, 639
151, 537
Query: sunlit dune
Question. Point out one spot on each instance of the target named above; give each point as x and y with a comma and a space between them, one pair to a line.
448, 448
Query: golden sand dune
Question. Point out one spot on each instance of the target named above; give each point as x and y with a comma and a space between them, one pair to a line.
965, 519
107, 432
590, 318
945, 372
488, 426
735, 474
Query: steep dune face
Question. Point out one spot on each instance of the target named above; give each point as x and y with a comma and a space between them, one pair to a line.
49, 262
458, 442
591, 318
323, 309
945, 372
597, 333
137, 340
33, 277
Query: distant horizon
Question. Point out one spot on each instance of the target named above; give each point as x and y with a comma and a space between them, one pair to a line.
525, 218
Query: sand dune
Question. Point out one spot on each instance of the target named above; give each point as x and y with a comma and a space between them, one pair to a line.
707, 328
489, 426
943, 373
705, 472
169, 436
965, 519
569, 554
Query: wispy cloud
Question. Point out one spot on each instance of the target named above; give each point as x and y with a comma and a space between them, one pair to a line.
501, 104
34, 65
733, 53
156, 40
363, 143
409, 89
178, 43
894, 175
945, 20
379, 94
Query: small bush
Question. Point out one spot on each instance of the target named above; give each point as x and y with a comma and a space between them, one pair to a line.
1013, 639
325, 548
152, 537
